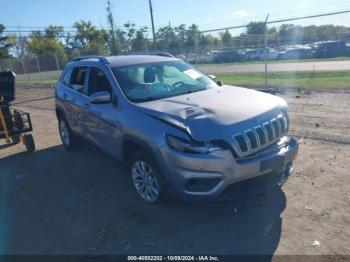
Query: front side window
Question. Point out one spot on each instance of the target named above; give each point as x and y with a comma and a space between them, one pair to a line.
78, 79
98, 82
153, 81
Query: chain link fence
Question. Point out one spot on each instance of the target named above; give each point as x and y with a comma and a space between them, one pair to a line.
241, 51
34, 67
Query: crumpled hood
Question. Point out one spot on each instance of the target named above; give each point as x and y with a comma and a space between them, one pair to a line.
216, 113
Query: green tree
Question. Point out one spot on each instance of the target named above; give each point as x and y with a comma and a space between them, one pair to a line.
180, 31
208, 41
136, 38
54, 32
192, 35
114, 46
256, 28
167, 40
285, 33
226, 39
19, 45
4, 43
88, 40
139, 42
48, 42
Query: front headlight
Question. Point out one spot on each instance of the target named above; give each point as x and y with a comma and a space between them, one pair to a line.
186, 146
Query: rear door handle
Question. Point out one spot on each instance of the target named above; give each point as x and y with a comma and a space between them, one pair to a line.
65, 96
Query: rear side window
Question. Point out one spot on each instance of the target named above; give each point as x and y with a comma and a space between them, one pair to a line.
78, 78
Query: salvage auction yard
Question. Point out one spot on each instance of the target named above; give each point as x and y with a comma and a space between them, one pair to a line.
56, 202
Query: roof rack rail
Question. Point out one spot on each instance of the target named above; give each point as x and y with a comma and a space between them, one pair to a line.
157, 53
166, 54
102, 59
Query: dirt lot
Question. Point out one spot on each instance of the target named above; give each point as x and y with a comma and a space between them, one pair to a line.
55, 202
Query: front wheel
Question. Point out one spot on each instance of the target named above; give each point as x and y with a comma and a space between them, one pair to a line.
69, 140
146, 178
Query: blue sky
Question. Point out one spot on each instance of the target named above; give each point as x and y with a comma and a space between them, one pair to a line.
207, 13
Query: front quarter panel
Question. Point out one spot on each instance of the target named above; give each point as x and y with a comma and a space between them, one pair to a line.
146, 128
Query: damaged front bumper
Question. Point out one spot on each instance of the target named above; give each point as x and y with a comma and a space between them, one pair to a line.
221, 175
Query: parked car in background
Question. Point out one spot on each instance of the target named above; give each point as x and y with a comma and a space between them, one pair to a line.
296, 53
259, 54
249, 52
347, 49
176, 130
202, 58
229, 56
329, 49
191, 58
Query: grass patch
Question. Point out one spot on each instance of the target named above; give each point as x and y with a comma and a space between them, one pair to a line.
341, 58
37, 82
311, 80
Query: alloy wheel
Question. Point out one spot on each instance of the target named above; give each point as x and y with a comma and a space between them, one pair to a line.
145, 181
64, 133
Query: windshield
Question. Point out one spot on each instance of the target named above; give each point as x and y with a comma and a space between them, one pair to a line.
153, 81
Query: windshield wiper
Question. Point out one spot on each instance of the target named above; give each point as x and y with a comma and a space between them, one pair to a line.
146, 99
152, 98
196, 90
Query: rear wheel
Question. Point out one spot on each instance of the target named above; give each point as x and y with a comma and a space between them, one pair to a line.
69, 140
146, 178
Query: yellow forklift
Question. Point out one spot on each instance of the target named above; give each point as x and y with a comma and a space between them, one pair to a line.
15, 125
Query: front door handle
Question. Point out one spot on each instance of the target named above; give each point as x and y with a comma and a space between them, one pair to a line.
65, 96
86, 106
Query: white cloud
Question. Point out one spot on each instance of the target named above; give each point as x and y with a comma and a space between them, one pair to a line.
241, 13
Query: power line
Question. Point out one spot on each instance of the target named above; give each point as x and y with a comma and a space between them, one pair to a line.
149, 29
72, 27
203, 31
282, 14
277, 21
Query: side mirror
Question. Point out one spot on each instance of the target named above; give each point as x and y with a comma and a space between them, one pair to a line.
215, 79
102, 97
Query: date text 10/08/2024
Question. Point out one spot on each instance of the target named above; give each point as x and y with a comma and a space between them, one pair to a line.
173, 258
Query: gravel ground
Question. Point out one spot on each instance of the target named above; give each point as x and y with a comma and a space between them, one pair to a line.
55, 202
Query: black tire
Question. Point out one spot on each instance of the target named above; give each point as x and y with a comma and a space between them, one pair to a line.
29, 142
72, 143
18, 120
16, 139
147, 158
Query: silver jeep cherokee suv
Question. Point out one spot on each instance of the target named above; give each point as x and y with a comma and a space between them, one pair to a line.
178, 130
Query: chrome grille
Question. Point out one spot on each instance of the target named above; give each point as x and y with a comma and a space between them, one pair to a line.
252, 140
261, 135
268, 127
242, 143
282, 124
276, 127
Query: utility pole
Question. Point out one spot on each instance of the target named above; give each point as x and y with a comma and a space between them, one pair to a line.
153, 31
265, 36
146, 45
